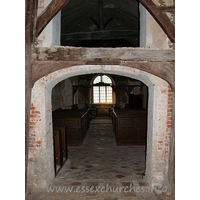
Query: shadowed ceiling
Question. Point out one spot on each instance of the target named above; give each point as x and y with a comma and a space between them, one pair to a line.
100, 23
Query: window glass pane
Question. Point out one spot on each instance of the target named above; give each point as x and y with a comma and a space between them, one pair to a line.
97, 79
96, 94
109, 94
105, 92
102, 94
106, 79
109, 89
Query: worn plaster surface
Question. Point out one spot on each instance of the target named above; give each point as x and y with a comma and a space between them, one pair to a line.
41, 170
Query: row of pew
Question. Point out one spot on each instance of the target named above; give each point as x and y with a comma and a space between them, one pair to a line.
69, 129
130, 126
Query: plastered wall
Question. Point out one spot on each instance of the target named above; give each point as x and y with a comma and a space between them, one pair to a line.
50, 36
41, 164
151, 35
62, 95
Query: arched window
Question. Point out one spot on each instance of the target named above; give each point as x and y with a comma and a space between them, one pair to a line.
102, 91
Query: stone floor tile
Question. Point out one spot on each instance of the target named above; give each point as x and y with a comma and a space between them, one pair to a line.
97, 163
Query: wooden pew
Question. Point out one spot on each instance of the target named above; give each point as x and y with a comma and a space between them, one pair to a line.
76, 122
64, 141
58, 157
130, 126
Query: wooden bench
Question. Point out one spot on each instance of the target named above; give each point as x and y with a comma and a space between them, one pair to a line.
58, 157
76, 122
130, 126
63, 141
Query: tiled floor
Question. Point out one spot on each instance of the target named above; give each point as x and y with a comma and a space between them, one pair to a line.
100, 158
99, 163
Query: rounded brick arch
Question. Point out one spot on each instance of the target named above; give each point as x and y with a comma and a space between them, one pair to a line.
41, 163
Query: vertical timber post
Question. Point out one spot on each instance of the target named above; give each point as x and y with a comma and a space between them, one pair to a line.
30, 25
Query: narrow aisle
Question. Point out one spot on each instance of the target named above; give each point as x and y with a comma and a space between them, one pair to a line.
100, 163
100, 158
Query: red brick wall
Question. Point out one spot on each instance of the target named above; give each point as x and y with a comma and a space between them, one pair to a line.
34, 118
169, 124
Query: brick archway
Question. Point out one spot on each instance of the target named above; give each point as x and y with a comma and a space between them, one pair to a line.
40, 161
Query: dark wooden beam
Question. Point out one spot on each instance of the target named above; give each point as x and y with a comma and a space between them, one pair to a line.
100, 35
30, 23
164, 70
159, 14
48, 14
170, 9
167, 26
156, 62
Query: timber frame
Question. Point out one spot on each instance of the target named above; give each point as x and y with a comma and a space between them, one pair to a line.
48, 14
42, 61
157, 12
156, 62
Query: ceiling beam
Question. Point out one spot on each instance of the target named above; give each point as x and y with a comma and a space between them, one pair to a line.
100, 35
159, 14
81, 53
157, 62
164, 70
48, 14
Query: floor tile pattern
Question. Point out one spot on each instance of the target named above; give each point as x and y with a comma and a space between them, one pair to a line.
100, 158
99, 162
